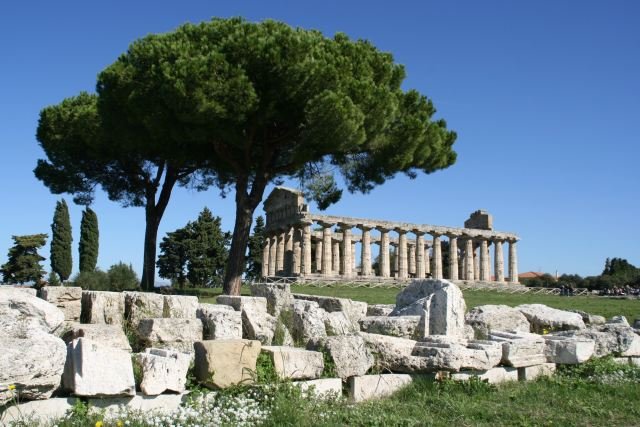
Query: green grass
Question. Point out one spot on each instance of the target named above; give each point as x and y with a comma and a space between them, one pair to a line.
602, 306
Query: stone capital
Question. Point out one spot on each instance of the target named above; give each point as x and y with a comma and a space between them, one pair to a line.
400, 230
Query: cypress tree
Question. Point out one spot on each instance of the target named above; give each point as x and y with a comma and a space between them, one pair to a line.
61, 262
89, 244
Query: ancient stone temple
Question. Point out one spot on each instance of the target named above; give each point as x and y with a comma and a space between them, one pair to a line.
306, 245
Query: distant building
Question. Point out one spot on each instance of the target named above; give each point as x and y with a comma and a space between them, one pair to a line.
530, 275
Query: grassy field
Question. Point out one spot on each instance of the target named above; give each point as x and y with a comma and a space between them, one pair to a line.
592, 304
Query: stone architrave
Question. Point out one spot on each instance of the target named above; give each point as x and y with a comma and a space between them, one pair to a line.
66, 298
102, 307
108, 335
295, 363
162, 370
22, 314
220, 322
33, 364
349, 354
93, 369
174, 334
223, 363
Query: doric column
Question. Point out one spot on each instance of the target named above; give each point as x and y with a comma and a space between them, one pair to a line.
326, 250
485, 272
498, 259
468, 260
427, 260
366, 251
336, 258
282, 238
319, 252
402, 254
453, 257
412, 259
437, 257
420, 264
354, 272
297, 251
306, 249
476, 263
288, 253
273, 248
347, 256
513, 261
265, 257
385, 267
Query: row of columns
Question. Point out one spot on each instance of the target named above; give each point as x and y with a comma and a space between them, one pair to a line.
289, 253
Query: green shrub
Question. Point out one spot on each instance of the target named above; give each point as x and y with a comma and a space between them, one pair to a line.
96, 280
122, 277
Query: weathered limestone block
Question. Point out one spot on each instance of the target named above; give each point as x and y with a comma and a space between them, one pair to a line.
34, 365
440, 356
380, 309
395, 354
222, 363
618, 320
31, 291
180, 306
368, 387
37, 411
337, 323
486, 318
307, 321
220, 321
546, 318
493, 375
108, 335
398, 326
442, 302
634, 361
240, 303
636, 323
102, 307
162, 370
634, 348
609, 338
143, 305
93, 369
278, 295
257, 323
161, 404
349, 354
22, 314
529, 373
324, 388
522, 349
590, 319
354, 310
295, 363
568, 351
174, 334
66, 298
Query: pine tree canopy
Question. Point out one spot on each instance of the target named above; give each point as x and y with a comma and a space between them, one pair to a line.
24, 261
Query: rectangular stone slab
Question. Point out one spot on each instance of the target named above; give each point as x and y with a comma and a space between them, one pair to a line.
223, 363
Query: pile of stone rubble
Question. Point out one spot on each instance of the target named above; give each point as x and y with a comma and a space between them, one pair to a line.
69, 343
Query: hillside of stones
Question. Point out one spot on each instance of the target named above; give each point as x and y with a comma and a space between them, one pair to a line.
137, 349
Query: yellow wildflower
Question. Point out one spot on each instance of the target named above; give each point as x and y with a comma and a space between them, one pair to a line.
98, 423
12, 387
119, 423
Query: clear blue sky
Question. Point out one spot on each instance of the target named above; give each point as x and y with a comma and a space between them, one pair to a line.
545, 97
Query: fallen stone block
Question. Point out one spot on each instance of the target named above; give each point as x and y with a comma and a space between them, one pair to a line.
66, 298
173, 334
93, 369
143, 305
380, 309
22, 314
220, 321
634, 348
161, 404
398, 326
609, 338
295, 363
492, 376
590, 319
529, 373
568, 351
521, 349
441, 356
635, 361
223, 363
162, 370
240, 303
393, 354
348, 353
257, 323
37, 411
337, 323
368, 387
34, 365
324, 388
545, 319
307, 321
278, 296
108, 335
619, 320
102, 307
486, 318
180, 306
354, 310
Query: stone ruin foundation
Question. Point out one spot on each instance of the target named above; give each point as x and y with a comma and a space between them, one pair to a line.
303, 245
